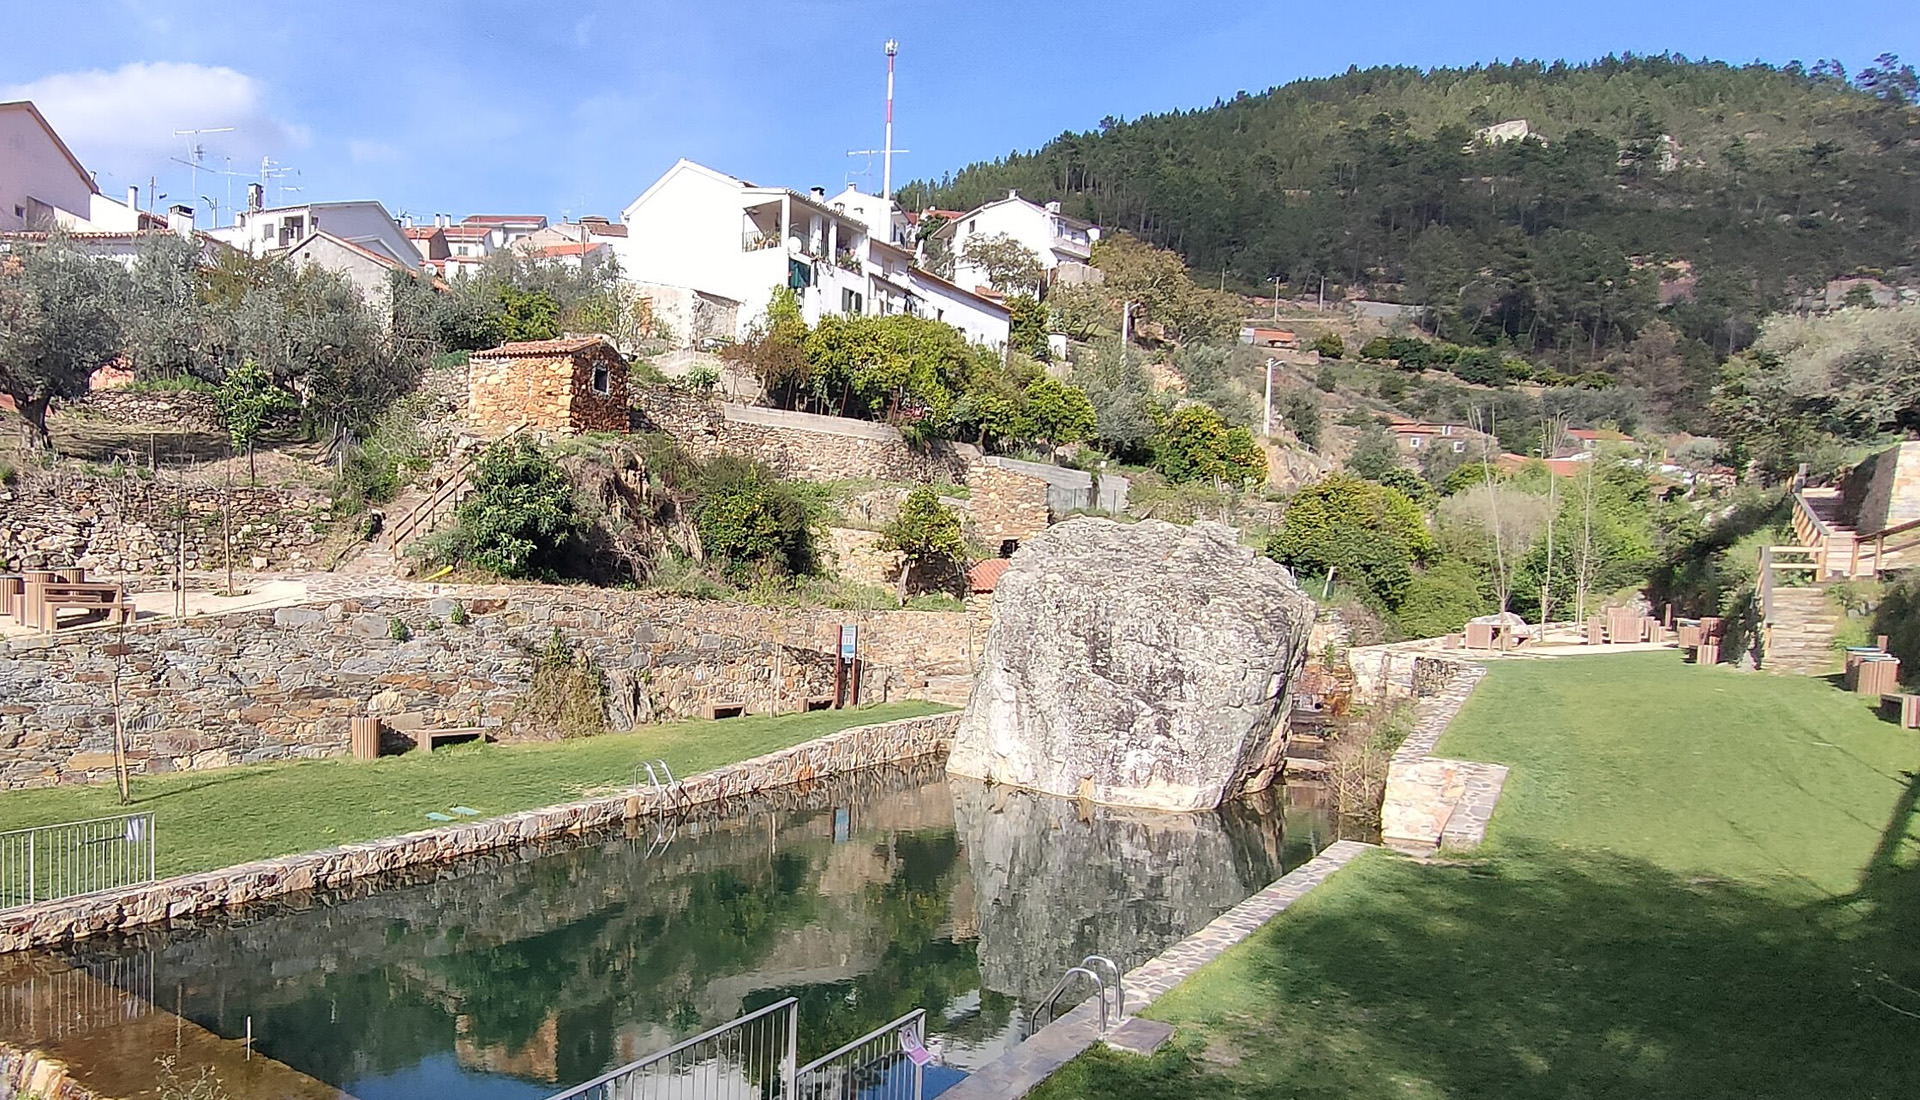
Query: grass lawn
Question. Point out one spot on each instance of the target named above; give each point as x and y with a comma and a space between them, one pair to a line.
216, 818
1699, 883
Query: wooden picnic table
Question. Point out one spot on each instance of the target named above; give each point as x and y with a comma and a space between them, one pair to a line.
44, 600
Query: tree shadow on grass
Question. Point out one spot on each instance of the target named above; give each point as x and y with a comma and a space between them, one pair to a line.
1547, 972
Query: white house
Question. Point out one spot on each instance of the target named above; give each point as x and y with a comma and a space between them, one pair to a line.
38, 173
884, 219
706, 231
259, 230
1058, 240
982, 320
370, 272
506, 229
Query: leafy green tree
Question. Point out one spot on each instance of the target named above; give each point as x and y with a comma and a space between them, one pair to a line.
164, 317
58, 324
775, 353
1027, 333
527, 314
1124, 404
1330, 346
1194, 444
519, 519
898, 368
1369, 534
751, 522
926, 534
1374, 454
1441, 598
1010, 267
1300, 412
247, 402
1058, 413
1162, 290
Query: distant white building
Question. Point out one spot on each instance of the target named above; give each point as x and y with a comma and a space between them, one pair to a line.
370, 272
1058, 240
885, 221
506, 229
261, 230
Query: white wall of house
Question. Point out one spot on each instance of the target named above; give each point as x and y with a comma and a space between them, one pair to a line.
37, 176
369, 274
980, 320
364, 222
1042, 230
705, 231
883, 217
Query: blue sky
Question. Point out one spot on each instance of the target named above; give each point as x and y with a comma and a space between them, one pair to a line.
574, 106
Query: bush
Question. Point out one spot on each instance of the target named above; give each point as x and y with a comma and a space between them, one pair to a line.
567, 694
1194, 444
373, 473
7, 473
1374, 455
1330, 346
700, 379
519, 520
1371, 535
399, 631
1377, 348
1300, 411
1326, 381
1440, 600
752, 522
458, 616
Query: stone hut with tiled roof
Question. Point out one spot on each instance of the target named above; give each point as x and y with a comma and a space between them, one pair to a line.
559, 386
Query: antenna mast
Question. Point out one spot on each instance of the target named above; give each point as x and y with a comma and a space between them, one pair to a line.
886, 164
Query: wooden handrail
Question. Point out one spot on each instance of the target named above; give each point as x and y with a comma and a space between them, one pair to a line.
423, 513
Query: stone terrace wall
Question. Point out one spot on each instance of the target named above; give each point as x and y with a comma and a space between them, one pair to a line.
282, 684
57, 923
128, 524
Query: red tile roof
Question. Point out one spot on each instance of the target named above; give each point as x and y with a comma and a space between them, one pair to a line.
985, 576
541, 348
1600, 435
466, 232
421, 232
569, 248
502, 219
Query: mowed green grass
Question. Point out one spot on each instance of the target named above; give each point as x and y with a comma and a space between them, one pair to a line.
217, 818
1699, 883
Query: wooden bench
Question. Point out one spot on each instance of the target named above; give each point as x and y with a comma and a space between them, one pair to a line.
45, 600
430, 738
1906, 706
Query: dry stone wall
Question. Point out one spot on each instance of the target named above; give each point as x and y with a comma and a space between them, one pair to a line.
52, 924
283, 684
125, 525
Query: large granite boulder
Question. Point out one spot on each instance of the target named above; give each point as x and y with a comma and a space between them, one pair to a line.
1138, 665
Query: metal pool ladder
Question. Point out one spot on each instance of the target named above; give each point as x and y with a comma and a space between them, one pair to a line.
1094, 968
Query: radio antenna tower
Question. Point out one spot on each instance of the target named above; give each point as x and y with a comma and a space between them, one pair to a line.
886, 160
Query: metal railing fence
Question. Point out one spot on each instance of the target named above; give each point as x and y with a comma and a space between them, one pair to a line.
50, 862
880, 1065
751, 1058
101, 995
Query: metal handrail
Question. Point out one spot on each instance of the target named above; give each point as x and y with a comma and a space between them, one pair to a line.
80, 857
1119, 984
1059, 987
918, 1015
786, 1070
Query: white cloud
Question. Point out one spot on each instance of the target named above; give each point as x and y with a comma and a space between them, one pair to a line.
123, 122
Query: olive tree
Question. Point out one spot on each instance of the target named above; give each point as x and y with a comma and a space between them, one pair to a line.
58, 325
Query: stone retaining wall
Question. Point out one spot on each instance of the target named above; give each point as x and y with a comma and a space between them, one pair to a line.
131, 524
282, 684
1431, 800
35, 1076
53, 924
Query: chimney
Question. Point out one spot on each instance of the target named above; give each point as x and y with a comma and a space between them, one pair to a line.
819, 194
133, 198
180, 219
1012, 194
1053, 207
256, 196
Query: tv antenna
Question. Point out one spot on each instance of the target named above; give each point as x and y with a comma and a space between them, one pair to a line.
194, 152
270, 171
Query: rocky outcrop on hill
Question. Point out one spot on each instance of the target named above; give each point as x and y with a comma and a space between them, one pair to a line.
1142, 665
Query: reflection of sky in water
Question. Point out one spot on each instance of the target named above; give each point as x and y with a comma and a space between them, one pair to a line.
899, 891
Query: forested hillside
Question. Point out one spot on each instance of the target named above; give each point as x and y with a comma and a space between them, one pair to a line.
1734, 185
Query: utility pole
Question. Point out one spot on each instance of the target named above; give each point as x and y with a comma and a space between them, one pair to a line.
1276, 297
1266, 428
1126, 328
886, 161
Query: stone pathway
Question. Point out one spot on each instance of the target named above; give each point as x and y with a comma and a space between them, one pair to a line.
1021, 1069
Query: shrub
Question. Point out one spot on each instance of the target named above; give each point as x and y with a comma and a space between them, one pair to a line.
1194, 444
750, 521
1374, 454
1441, 599
373, 473
458, 616
700, 379
1371, 535
519, 519
7, 473
1325, 381
1300, 412
1377, 348
1330, 346
567, 694
399, 631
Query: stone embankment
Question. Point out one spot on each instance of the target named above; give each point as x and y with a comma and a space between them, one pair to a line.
128, 523
52, 924
283, 684
1431, 800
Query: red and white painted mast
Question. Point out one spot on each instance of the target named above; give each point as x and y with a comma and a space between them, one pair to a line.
886, 153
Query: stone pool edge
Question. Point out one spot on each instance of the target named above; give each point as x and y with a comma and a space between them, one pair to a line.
1458, 805
57, 923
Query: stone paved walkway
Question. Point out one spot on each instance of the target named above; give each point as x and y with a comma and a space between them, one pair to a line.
1019, 1070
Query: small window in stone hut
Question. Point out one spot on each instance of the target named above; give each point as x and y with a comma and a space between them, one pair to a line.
601, 380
